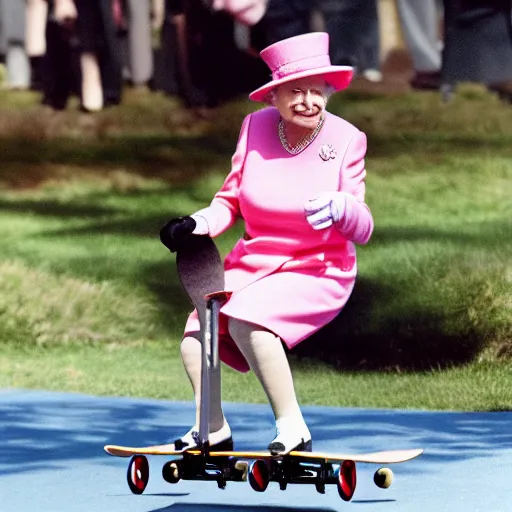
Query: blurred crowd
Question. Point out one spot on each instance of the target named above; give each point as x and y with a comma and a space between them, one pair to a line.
206, 51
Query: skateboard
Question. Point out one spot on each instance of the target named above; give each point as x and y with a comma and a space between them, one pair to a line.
260, 467
202, 276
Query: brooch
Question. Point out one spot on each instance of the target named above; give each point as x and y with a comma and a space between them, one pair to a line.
327, 152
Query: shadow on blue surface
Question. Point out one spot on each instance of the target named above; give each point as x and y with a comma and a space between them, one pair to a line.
41, 429
187, 507
159, 494
365, 502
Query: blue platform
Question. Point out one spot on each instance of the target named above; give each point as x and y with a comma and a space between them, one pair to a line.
52, 458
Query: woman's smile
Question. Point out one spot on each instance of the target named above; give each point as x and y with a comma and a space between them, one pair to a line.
300, 110
306, 118
306, 113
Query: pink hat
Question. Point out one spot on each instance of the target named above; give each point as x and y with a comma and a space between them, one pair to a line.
299, 57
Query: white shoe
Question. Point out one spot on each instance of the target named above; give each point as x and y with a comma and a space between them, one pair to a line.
221, 439
290, 437
373, 75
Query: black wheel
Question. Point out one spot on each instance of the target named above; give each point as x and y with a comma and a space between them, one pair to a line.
347, 480
138, 474
383, 478
171, 472
259, 475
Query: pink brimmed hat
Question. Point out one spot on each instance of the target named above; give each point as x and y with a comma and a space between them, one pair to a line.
300, 57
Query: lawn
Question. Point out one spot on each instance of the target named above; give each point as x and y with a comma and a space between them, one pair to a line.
90, 300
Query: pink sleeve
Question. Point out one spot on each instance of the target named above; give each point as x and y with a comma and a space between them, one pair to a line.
224, 208
357, 224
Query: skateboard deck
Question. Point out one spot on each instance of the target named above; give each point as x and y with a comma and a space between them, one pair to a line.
385, 457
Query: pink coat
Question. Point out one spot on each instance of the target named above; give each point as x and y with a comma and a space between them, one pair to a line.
284, 275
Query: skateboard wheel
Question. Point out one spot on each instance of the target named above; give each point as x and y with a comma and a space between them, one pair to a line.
347, 480
242, 466
383, 478
138, 474
171, 472
259, 475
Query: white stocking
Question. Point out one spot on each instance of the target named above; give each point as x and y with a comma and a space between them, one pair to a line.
265, 354
191, 355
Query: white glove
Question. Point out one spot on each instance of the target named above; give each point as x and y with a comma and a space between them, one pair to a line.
201, 225
325, 210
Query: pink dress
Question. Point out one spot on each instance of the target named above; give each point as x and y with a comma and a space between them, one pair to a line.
284, 275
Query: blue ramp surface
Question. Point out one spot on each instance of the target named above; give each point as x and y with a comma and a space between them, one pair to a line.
52, 458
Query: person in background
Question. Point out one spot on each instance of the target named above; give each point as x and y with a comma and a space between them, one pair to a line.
170, 73
12, 44
60, 65
140, 50
298, 181
247, 12
283, 19
36, 17
352, 25
98, 25
419, 20
157, 9
353, 28
83, 54
204, 54
478, 44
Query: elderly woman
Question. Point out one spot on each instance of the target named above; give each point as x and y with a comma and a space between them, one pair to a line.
298, 182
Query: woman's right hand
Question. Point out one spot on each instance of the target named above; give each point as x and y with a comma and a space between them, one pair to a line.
176, 232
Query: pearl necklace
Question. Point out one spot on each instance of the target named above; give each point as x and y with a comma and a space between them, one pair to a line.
304, 142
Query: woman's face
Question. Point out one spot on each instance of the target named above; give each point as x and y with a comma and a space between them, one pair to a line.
301, 102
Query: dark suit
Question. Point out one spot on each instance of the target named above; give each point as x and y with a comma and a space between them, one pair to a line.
94, 32
478, 41
98, 34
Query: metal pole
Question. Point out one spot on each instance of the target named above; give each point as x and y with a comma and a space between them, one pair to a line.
210, 363
206, 351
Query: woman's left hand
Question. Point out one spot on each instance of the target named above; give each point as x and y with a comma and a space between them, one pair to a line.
176, 232
325, 210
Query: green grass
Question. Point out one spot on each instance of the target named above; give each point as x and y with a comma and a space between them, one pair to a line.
90, 300
152, 370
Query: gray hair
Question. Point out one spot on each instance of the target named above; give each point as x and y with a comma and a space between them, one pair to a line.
329, 91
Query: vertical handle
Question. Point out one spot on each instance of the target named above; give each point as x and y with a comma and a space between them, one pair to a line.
206, 360
210, 362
